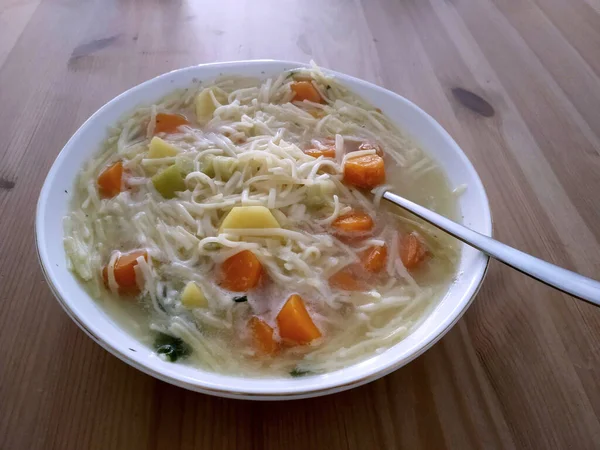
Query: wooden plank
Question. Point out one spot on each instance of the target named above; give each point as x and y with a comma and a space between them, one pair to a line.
13, 19
518, 371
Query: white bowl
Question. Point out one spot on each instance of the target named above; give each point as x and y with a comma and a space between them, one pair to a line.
54, 201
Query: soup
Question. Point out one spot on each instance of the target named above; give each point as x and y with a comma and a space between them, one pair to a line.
237, 226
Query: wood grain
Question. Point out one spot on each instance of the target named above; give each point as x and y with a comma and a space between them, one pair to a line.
516, 82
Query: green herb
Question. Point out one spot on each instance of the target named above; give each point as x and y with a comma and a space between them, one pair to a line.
300, 373
241, 299
173, 348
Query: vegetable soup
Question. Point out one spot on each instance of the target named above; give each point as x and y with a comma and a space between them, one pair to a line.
237, 226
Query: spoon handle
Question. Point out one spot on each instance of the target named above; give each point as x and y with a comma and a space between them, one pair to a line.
562, 279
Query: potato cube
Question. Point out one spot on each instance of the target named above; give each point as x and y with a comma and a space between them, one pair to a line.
205, 105
249, 217
161, 149
193, 297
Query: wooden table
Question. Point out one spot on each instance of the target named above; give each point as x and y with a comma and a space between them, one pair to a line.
520, 370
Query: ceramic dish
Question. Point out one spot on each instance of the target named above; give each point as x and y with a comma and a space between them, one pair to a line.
88, 314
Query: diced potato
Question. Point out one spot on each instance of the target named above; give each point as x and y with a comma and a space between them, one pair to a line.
169, 181
225, 166
193, 297
161, 149
205, 106
249, 217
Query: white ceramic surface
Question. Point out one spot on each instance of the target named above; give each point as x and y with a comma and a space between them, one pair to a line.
53, 204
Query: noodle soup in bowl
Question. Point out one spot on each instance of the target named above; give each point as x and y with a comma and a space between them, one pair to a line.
219, 228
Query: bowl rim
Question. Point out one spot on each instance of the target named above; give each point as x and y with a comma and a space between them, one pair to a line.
298, 391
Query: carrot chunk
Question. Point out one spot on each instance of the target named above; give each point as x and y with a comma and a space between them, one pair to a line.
241, 272
326, 148
365, 172
263, 336
371, 146
373, 259
327, 152
354, 221
110, 180
412, 251
304, 90
346, 280
124, 272
168, 123
294, 322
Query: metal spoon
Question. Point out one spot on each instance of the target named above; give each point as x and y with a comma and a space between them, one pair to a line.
562, 279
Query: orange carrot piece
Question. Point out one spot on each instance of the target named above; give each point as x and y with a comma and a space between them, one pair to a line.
124, 271
327, 152
110, 181
294, 322
304, 90
354, 221
371, 146
412, 251
263, 336
168, 123
365, 172
346, 280
373, 259
241, 272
